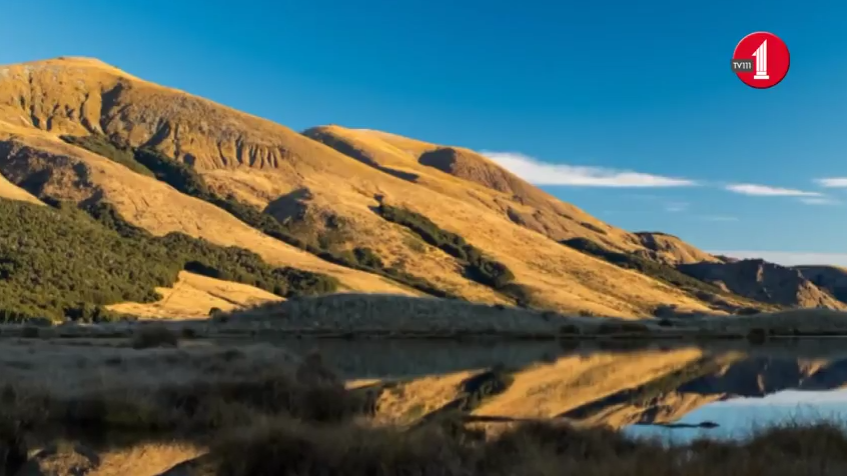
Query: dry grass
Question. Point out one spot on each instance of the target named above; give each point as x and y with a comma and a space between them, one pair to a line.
13, 192
260, 162
152, 336
193, 296
786, 323
258, 410
283, 448
153, 205
179, 390
403, 316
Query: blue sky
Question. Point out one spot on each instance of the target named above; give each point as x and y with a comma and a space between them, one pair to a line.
544, 87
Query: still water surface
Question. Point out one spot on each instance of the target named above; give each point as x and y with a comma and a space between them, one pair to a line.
639, 389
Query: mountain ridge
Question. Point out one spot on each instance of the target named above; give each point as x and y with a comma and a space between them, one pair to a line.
325, 186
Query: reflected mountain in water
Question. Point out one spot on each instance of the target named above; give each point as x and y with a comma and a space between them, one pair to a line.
589, 385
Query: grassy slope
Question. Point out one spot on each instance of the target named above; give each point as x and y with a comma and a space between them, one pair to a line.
720, 299
78, 175
186, 180
482, 181
11, 191
193, 296
272, 162
62, 263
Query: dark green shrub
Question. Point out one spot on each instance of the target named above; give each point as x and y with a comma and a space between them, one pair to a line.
478, 267
102, 146
367, 257
59, 263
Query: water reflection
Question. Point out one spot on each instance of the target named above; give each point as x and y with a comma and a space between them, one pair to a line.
731, 387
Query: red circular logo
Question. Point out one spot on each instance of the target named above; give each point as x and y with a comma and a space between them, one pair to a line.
761, 60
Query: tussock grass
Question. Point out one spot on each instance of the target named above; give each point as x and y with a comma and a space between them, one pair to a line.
175, 390
393, 313
263, 411
155, 335
535, 448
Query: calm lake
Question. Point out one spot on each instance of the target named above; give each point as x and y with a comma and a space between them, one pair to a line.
652, 390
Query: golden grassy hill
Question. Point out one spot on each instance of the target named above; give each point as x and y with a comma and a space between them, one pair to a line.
269, 165
471, 177
193, 296
50, 167
670, 249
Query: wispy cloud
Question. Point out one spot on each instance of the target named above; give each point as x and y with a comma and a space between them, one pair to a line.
789, 258
544, 173
768, 191
718, 218
819, 201
832, 182
676, 207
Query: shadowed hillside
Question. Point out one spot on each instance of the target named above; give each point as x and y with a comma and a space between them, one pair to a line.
833, 279
763, 281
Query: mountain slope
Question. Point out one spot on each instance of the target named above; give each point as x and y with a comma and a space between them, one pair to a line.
833, 279
433, 166
298, 180
467, 176
51, 168
763, 281
194, 296
669, 249
13, 192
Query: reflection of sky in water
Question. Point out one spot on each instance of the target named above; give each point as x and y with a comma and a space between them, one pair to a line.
739, 417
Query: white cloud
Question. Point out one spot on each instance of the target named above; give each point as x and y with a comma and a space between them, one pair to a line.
767, 191
832, 182
543, 173
819, 201
789, 258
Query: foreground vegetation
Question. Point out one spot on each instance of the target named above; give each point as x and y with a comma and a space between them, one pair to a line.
184, 178
60, 263
259, 411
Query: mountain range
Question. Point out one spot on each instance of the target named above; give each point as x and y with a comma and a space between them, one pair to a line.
121, 196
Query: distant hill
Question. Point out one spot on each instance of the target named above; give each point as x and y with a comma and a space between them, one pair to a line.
373, 211
767, 282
